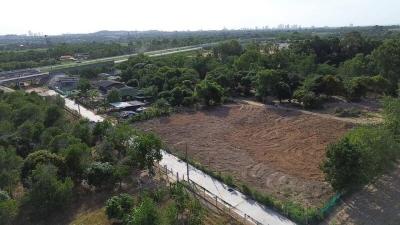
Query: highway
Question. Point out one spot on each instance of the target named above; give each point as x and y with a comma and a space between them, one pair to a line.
23, 77
123, 58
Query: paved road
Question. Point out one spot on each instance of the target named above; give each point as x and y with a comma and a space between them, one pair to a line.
23, 78
235, 198
78, 108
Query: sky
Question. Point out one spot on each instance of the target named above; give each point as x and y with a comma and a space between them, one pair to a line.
84, 16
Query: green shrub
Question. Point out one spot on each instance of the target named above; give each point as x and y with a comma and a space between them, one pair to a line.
118, 206
150, 113
8, 211
351, 112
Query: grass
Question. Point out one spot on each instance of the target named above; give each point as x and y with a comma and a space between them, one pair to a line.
96, 217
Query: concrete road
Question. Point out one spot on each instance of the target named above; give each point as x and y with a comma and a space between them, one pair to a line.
241, 202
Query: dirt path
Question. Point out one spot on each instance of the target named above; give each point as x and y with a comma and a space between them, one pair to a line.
323, 115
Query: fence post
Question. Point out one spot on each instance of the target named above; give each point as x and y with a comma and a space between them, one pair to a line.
177, 177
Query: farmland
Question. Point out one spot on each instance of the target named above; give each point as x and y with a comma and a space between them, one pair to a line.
275, 151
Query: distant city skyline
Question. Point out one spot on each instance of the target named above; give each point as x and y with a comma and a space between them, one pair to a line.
77, 16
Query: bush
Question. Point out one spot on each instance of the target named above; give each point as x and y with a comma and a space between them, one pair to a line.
343, 165
210, 92
309, 99
145, 214
100, 174
150, 113
118, 206
361, 155
8, 211
356, 88
352, 112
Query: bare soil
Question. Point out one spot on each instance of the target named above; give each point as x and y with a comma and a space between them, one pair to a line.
276, 151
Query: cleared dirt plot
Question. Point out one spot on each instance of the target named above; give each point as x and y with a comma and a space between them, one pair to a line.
275, 151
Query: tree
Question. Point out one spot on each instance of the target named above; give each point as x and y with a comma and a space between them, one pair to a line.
41, 157
330, 85
227, 48
48, 193
84, 85
62, 141
283, 91
145, 214
48, 134
77, 158
356, 88
120, 137
210, 92
387, 57
52, 115
100, 174
268, 83
113, 96
309, 99
378, 84
145, 150
93, 94
353, 43
105, 151
10, 165
82, 131
28, 112
100, 130
178, 94
120, 172
343, 165
223, 76
119, 206
360, 65
203, 64
8, 209
248, 60
391, 113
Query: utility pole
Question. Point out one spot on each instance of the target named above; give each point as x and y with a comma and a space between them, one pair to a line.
187, 164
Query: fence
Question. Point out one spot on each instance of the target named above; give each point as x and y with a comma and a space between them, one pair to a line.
212, 199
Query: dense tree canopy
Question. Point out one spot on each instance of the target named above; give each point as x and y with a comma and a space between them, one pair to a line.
50, 154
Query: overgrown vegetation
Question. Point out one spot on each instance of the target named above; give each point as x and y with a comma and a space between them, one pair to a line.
365, 152
160, 207
309, 71
50, 156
